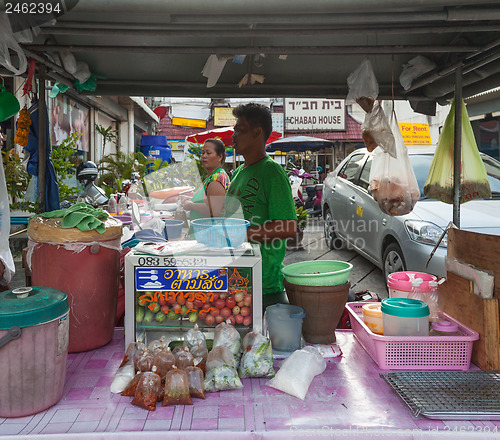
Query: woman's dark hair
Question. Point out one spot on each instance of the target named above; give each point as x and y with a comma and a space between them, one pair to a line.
257, 115
220, 148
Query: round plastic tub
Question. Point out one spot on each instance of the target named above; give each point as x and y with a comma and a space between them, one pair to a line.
33, 349
405, 317
284, 323
399, 283
220, 232
318, 273
173, 228
85, 265
444, 328
372, 317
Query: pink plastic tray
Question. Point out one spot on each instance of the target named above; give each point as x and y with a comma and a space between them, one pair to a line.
414, 353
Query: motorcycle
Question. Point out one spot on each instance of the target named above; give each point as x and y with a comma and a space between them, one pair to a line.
314, 192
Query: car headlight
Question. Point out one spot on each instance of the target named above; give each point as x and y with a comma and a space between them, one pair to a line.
425, 232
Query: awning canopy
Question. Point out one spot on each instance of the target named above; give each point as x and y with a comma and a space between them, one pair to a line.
299, 144
299, 48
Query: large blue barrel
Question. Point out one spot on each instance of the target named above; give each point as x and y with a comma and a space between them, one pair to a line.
156, 147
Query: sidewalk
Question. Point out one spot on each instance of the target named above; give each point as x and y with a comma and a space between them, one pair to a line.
364, 274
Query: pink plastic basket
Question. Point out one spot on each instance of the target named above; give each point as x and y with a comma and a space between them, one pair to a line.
414, 353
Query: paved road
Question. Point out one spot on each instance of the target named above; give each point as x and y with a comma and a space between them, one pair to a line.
364, 274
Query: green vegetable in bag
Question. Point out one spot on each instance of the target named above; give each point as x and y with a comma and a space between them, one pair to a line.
473, 181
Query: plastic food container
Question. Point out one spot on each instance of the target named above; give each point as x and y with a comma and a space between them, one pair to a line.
284, 323
220, 232
173, 228
405, 317
372, 317
33, 349
444, 328
318, 273
400, 283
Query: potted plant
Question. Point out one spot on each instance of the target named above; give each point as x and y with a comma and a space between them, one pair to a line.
295, 243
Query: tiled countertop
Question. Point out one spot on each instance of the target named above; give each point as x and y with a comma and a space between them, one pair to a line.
348, 400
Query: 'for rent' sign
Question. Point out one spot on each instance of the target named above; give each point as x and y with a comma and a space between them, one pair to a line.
314, 114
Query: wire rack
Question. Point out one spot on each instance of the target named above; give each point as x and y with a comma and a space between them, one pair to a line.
449, 395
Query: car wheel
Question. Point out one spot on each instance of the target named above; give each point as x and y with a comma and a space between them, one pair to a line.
393, 259
332, 241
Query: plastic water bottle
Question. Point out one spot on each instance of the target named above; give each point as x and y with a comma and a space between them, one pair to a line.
122, 204
112, 205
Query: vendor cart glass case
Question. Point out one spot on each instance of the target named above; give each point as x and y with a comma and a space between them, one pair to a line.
166, 295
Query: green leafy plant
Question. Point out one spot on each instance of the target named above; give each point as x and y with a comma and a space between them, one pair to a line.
108, 134
302, 217
64, 160
17, 180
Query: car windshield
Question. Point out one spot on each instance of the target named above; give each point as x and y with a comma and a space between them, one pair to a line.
421, 164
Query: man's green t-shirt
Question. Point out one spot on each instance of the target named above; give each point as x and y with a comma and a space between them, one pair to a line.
259, 193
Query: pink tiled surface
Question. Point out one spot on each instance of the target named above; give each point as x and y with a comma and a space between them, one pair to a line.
349, 398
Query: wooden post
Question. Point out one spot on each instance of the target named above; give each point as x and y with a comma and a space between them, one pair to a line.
42, 127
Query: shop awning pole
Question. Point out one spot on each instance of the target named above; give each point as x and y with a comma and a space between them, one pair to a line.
42, 148
457, 152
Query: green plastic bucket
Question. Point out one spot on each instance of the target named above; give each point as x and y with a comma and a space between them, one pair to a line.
318, 273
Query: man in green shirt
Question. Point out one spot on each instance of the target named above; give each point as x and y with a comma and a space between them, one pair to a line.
260, 192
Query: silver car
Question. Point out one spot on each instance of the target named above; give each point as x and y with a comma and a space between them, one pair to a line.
353, 218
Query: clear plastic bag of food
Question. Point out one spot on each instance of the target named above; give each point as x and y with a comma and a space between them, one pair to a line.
221, 371
298, 371
184, 358
140, 348
392, 181
194, 337
474, 183
163, 360
129, 390
257, 358
176, 388
158, 344
196, 382
363, 86
376, 131
200, 354
227, 336
145, 361
176, 350
148, 388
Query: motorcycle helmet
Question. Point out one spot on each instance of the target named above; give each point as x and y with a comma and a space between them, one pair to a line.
86, 172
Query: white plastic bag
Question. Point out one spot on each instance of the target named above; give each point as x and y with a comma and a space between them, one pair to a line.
5, 254
7, 41
415, 68
298, 371
363, 86
227, 336
392, 180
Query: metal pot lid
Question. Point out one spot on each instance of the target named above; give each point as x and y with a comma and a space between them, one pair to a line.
28, 306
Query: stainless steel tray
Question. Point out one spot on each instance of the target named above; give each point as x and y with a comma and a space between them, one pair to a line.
449, 395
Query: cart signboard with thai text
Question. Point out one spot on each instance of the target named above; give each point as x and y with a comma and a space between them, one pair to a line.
182, 279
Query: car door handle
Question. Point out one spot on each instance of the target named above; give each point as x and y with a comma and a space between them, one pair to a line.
352, 199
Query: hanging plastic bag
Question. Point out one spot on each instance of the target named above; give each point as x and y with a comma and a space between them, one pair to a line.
7, 41
392, 180
376, 131
474, 182
363, 86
